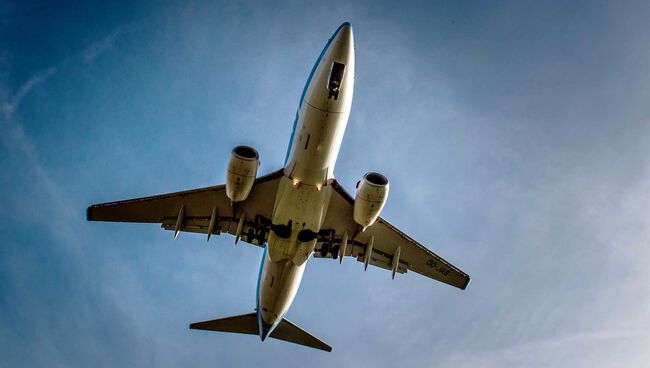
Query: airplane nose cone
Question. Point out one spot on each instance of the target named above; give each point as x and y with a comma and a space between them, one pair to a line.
330, 85
344, 37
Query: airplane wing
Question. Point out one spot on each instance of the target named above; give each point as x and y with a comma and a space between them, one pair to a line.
205, 210
381, 244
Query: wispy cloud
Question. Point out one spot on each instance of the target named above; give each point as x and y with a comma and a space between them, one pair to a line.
10, 104
554, 349
100, 47
17, 140
45, 202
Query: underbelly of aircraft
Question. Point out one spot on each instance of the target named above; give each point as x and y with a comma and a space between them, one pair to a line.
301, 209
316, 145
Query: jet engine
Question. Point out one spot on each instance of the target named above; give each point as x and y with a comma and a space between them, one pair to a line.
372, 192
242, 170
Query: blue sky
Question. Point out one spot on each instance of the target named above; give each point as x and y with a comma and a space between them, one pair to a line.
514, 134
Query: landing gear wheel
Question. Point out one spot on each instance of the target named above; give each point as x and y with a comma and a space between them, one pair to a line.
335, 251
324, 249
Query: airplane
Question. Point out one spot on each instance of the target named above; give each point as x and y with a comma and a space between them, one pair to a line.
297, 212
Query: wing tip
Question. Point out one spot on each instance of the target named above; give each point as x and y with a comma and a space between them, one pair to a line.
89, 213
466, 283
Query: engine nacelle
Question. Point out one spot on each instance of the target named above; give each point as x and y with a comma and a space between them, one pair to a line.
372, 192
242, 170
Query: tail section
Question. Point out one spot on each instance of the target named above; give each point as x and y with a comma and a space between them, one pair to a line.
247, 324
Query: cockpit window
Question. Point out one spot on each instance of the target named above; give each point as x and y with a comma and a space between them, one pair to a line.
336, 77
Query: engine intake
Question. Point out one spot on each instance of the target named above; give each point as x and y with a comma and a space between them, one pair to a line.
372, 192
242, 170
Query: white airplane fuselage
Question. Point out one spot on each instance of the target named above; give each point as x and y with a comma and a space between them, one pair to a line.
303, 193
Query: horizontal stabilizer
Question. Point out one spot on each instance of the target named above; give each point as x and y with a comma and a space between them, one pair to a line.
247, 324
287, 331
244, 323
